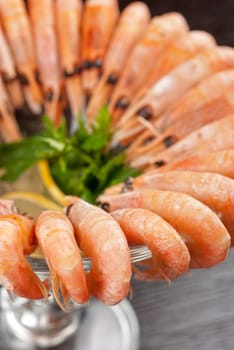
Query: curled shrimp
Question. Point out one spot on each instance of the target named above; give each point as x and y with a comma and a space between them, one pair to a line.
158, 34
68, 20
204, 234
220, 162
7, 206
56, 239
8, 72
214, 190
132, 22
166, 92
98, 23
208, 101
46, 46
17, 239
9, 129
215, 136
18, 32
180, 50
170, 256
102, 240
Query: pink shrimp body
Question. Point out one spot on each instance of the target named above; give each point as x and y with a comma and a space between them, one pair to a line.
7, 206
170, 256
166, 92
215, 136
99, 20
17, 239
18, 32
56, 238
220, 162
43, 27
102, 240
9, 129
130, 26
204, 234
187, 46
157, 35
8, 72
68, 23
214, 190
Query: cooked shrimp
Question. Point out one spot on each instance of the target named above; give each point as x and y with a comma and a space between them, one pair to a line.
98, 23
18, 32
215, 136
8, 72
210, 100
170, 256
157, 36
204, 234
9, 129
68, 20
102, 240
214, 190
220, 162
56, 239
17, 239
43, 26
132, 22
187, 46
166, 92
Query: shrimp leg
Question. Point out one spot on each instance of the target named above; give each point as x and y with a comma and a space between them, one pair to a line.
98, 23
170, 256
18, 32
102, 240
17, 239
132, 22
204, 234
57, 241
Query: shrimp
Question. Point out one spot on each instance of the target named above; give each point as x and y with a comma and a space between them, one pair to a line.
187, 46
17, 239
102, 240
214, 190
132, 22
220, 162
18, 32
208, 101
157, 36
170, 256
204, 234
8, 72
166, 92
56, 239
68, 20
43, 26
9, 129
7, 206
215, 136
98, 23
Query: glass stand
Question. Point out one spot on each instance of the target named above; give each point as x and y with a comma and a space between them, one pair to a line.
39, 325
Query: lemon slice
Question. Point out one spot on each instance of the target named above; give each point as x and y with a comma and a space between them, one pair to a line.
50, 184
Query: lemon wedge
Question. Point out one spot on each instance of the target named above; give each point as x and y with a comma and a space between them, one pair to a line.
50, 184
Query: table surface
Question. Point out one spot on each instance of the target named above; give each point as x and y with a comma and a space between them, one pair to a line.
197, 311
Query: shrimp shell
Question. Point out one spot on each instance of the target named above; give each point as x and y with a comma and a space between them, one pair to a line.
204, 234
16, 275
56, 238
170, 256
130, 26
102, 240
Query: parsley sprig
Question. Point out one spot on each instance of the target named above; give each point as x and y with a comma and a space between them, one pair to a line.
81, 164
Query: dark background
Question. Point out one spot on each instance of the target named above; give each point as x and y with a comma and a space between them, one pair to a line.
215, 16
